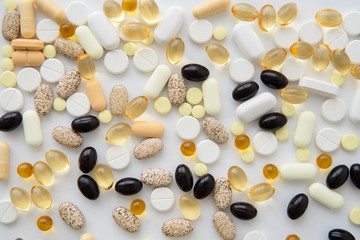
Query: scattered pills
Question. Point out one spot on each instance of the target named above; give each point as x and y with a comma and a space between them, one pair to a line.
336, 38
188, 128
237, 128
200, 31
282, 134
11, 99
198, 111
162, 199
265, 143
207, 151
285, 36
327, 140
49, 51
8, 79
200, 169
350, 142
303, 154
7, 50
241, 70
78, 105
116, 61
59, 104
293, 69
52, 70
311, 32
47, 30
145, 59
130, 48
8, 212
105, 116
162, 105
333, 110
77, 13
7, 64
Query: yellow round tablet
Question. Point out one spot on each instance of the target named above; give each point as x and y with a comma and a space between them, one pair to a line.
8, 79
49, 51
10, 4
194, 95
198, 111
337, 78
248, 155
130, 48
162, 105
149, 40
220, 33
105, 116
59, 104
350, 142
7, 50
354, 216
282, 134
303, 154
288, 109
7, 64
200, 169
185, 109
237, 128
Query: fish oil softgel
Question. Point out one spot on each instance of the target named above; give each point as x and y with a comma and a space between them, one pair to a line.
189, 207
43, 174
287, 14
261, 192
244, 12
267, 17
20, 199
103, 176
113, 10
321, 58
294, 94
67, 30
137, 207
86, 66
135, 31
270, 171
355, 71
324, 161
44, 223
188, 148
341, 61
302, 50
237, 178
129, 5
273, 58
175, 50
242, 142
329, 17
57, 160
149, 11
25, 170
41, 197
218, 53
292, 237
136, 107
118, 133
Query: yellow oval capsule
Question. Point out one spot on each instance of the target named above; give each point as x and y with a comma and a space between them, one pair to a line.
355, 71
57, 160
175, 50
302, 50
218, 53
43, 174
287, 14
237, 178
149, 10
321, 58
261, 192
86, 66
25, 170
273, 58
135, 31
118, 133
103, 176
294, 94
189, 207
136, 107
20, 199
329, 17
244, 12
41, 197
341, 61
113, 10
267, 17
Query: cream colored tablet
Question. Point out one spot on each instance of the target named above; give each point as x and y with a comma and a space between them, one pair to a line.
200, 169
326, 196
169, 25
185, 109
333, 110
198, 111
162, 105
7, 64
157, 81
7, 50
130, 48
337, 78
89, 42
194, 95
288, 109
59, 104
49, 51
282, 134
77, 13
220, 33
304, 129
298, 171
32, 129
336, 38
303, 154
248, 155
8, 79
354, 216
350, 142
10, 4
237, 128
105, 116
211, 96
162, 199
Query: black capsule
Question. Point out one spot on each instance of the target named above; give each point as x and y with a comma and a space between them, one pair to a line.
87, 159
88, 187
272, 121
128, 186
337, 176
195, 72
340, 234
10, 121
274, 79
297, 206
355, 174
245, 91
85, 124
204, 186
243, 210
184, 177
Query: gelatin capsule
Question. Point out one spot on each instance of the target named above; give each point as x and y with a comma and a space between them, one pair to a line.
355, 71
270, 171
135, 31
129, 5
324, 161
136, 107
302, 50
244, 12
67, 30
175, 50
25, 170
20, 199
267, 17
273, 58
41, 197
237, 178
113, 11
329, 17
86, 66
341, 61
242, 142
149, 10
188, 148
292, 237
218, 53
189, 207
57, 160
44, 223
137, 207
321, 58
104, 176
294, 94
261, 192
287, 14
43, 174
118, 133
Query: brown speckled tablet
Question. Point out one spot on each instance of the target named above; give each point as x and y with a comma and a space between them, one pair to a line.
118, 100
11, 25
43, 100
224, 225
68, 48
68, 84
177, 89
156, 177
126, 220
215, 130
148, 148
71, 215
177, 227
222, 193
67, 137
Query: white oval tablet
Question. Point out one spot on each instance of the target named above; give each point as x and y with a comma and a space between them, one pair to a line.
336, 38
322, 88
77, 13
200, 31
211, 96
298, 171
28, 79
47, 30
304, 129
255, 235
162, 199
265, 143
188, 128
311, 32
89, 42
354, 112
116, 61
328, 140
8, 212
207, 151
351, 23
158, 79
146, 59
326, 196
285, 37
78, 105
118, 157
293, 69
333, 110
241, 70
32, 128
11, 99
52, 70
353, 51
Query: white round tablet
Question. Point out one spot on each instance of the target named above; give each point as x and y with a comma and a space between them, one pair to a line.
8, 212
311, 32
52, 70
78, 105
77, 13
255, 235
351, 23
11, 99
333, 110
207, 151
265, 143
146, 59
293, 69
241, 70
200, 31
118, 157
162, 199
28, 79
285, 37
47, 30
328, 140
188, 128
116, 61
336, 38
353, 51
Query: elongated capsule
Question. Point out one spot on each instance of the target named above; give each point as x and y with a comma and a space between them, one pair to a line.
218, 53
261, 192
302, 50
96, 95
175, 50
4, 161
273, 58
321, 58
43, 173
245, 12
294, 94
51, 9
20, 199
135, 31
341, 61
28, 58
27, 19
267, 17
149, 11
41, 197
329, 17
210, 7
287, 14
136, 107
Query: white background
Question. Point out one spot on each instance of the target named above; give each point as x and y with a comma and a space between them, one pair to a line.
272, 218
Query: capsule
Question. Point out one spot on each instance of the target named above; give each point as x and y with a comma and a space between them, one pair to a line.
51, 9
10, 121
136, 107
41, 197
261, 192
135, 31
237, 178
242, 142
87, 159
25, 170
43, 174
324, 161
294, 94
321, 58
245, 91
67, 30
274, 79
218, 53
355, 175
297, 206
113, 11
195, 72
302, 50
28, 58
44, 223
273, 58
340, 234
189, 207
341, 61
270, 171
20, 199
287, 14
244, 12
204, 186
149, 11
57, 160
118, 133
292, 237
88, 187
184, 178
337, 176
128, 186
188, 148
129, 5
4, 161
272, 121
329, 17
27, 19
267, 18
103, 176
85, 124
137, 207
243, 210
355, 71
86, 66
175, 50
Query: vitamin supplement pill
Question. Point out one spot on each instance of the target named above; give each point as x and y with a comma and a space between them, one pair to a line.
274, 79
157, 81
43, 99
337, 78
162, 105
322, 88
188, 128
118, 100
302, 50
297, 206
175, 50
136, 107
215, 130
170, 24
261, 192
118, 157
255, 235
118, 133
325, 196
354, 113
350, 142
194, 95
337, 176
265, 143
129, 5
311, 32
25, 170
200, 169
211, 96
27, 19
20, 199
237, 178
177, 227
273, 58
147, 129
288, 109
304, 129
267, 17
184, 178
87, 159
204, 186
126, 220
298, 171
105, 116
242, 142
130, 48
10, 4
57, 160
135, 31
237, 128
198, 111
96, 95
8, 212
67, 30
137, 207
282, 134
148, 148
41, 197
43, 174
67, 137
336, 38
270, 171
27, 44
207, 151
218, 53
294, 94
86, 66
177, 89
52, 70
7, 50
195, 72
88, 187
222, 193
32, 128
162, 199
51, 9
185, 109
116, 61
149, 11
340, 234
28, 58
78, 104
8, 78
340, 61
59, 104
224, 226
113, 11
47, 30
208, 8
355, 71
287, 13
146, 59
44, 223
241, 70
349, 27
329, 18
327, 140
292, 237
11, 25
128, 186
89, 42
200, 31
243, 210
11, 99
285, 37
189, 207
103, 176
321, 58
244, 12
354, 216
4, 161
88, 236
10, 121
247, 155
71, 215
220, 33
156, 177
77, 13
68, 48
28, 79
303, 154
352, 49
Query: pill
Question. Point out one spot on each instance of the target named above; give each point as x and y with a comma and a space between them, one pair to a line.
85, 124
149, 11
207, 151
10, 121
247, 155
243, 210
222, 193
11, 25
321, 58
71, 215
156, 177
215, 130
68, 84
67, 30
184, 178
218, 53
198, 111
145, 59
126, 220
7, 50
355, 71
325, 196
194, 95
188, 148
185, 109
28, 79
297, 206
148, 148
337, 78
105, 116
304, 129
89, 42
177, 227
10, 4
333, 110
175, 50
288, 109
103, 176
340, 233
273, 79
195, 72
319, 87
355, 175
78, 105
4, 161
329, 18
130, 48
27, 19
237, 178
68, 48
302, 50
134, 31
51, 9
136, 107
261, 192
284, 37
116, 61
270, 171
189, 207
311, 32
8, 213
96, 96
237, 128
255, 235
208, 8
162, 105
350, 142
169, 25
224, 226
11, 99
348, 23
220, 33
265, 143
157, 81
242, 142
52, 70
241, 70
47, 30
336, 38
44, 223
86, 236
118, 157
303, 154
298, 171
204, 186
118, 100
267, 18
32, 128
354, 113
272, 121
352, 49
67, 137
177, 89
341, 61
282, 134
188, 128
200, 31
43, 99
20, 199
200, 169
118, 133
337, 176
77, 13
41, 197
273, 58
354, 216
211, 96
327, 140
8, 79
287, 13
244, 12
7, 64
324, 161
149, 40
28, 58
57, 160
147, 129
87, 159
27, 44
293, 69
162, 199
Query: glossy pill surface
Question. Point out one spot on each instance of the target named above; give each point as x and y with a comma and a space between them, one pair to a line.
43, 174
297, 206
273, 79
67, 30
41, 197
218, 53
44, 223
103, 176
128, 186
245, 91
136, 107
337, 176
261, 192
272, 121
302, 50
329, 17
243, 210
287, 13
273, 58
118, 133
113, 10
340, 234
88, 187
135, 31
188, 148
175, 50
292, 237
149, 10
355, 71
137, 207
20, 199
57, 160
341, 61
189, 207
294, 94
10, 121
184, 178
324, 161
129, 5
237, 178
85, 124
204, 186
270, 171
267, 17
25, 170
87, 159
195, 72
355, 175
86, 66
321, 58
244, 12
242, 142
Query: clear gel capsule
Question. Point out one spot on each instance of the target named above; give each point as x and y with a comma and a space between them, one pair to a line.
57, 160
329, 17
41, 197
20, 199
218, 53
135, 31
136, 107
237, 178
43, 174
341, 61
261, 192
118, 133
175, 50
287, 14
113, 11
25, 170
321, 58
86, 66
355, 71
267, 17
294, 94
189, 207
129, 5
273, 58
149, 10
302, 50
103, 176
244, 12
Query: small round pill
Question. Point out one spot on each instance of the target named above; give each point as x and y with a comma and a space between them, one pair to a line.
7, 64
194, 95
105, 116
198, 111
200, 169
242, 142
185, 109
350, 142
162, 105
324, 161
237, 128
337, 78
303, 154
354, 216
8, 79
288, 109
10, 4
282, 134
49, 51
7, 50
130, 48
248, 155
59, 104
137, 207
220, 33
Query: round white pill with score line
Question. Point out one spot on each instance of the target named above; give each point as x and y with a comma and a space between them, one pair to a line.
118, 157
8, 212
11, 99
333, 110
47, 30
52, 70
78, 105
351, 23
265, 143
255, 235
162, 199
77, 13
207, 151
28, 79
311, 32
285, 37
146, 59
328, 140
293, 69
188, 128
200, 31
241, 70
336, 38
353, 51
116, 61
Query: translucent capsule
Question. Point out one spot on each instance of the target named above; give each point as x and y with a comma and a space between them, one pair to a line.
324, 161
242, 142
261, 192
149, 10
188, 148
175, 50
244, 12
341, 61
43, 174
136, 107
218, 53
329, 17
355, 71
273, 58
44, 223
67, 30
41, 197
267, 17
321, 58
20, 199
25, 170
86, 66
292, 237
302, 50
129, 5
57, 160
189, 207
137, 207
287, 14
135, 31
118, 133
237, 178
270, 171
294, 94
113, 11
103, 176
